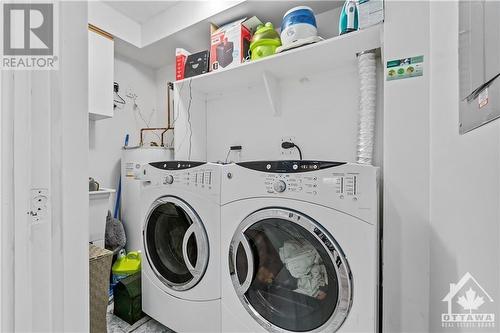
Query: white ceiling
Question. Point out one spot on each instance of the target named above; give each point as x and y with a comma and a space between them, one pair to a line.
141, 11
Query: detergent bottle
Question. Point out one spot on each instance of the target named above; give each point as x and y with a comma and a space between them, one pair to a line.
125, 265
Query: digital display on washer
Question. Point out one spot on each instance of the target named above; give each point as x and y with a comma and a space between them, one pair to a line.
289, 166
176, 165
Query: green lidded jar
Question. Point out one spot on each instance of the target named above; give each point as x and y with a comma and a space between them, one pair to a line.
125, 265
265, 41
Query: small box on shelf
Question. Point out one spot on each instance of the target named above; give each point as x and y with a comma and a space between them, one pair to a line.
229, 43
180, 62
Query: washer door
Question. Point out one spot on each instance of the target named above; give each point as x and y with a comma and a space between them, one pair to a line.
289, 273
176, 243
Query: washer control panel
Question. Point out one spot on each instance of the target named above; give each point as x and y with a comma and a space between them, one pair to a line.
347, 187
291, 183
289, 166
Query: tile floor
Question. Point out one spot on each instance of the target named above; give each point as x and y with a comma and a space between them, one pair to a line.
145, 325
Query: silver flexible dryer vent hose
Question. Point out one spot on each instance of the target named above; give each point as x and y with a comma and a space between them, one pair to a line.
367, 105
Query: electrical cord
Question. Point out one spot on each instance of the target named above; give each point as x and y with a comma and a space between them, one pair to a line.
137, 109
189, 119
289, 145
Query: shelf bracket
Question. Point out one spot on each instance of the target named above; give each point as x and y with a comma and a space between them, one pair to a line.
271, 84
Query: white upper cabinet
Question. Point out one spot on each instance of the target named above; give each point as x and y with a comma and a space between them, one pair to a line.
101, 73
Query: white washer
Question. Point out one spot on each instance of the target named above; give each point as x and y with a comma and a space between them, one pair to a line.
181, 266
299, 247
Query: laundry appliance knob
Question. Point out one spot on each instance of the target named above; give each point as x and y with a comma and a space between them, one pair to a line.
169, 179
279, 186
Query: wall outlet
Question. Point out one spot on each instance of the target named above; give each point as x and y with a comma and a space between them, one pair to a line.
288, 152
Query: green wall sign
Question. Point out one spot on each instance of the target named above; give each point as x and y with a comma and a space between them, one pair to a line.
405, 68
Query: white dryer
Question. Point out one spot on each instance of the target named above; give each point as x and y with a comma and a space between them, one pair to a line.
180, 203
299, 247
132, 160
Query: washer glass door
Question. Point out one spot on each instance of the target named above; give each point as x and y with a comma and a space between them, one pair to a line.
176, 243
289, 273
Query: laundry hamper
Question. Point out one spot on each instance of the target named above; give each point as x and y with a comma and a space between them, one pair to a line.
99, 269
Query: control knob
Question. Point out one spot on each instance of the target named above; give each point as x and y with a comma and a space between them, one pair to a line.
279, 186
169, 179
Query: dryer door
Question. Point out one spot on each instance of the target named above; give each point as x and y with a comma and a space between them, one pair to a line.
289, 273
176, 243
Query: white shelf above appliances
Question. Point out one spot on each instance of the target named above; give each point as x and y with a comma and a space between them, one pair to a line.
297, 63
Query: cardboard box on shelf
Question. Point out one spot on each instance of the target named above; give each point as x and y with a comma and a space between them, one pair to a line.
180, 62
196, 64
229, 43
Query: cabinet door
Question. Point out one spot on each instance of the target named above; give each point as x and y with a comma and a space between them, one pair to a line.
101, 72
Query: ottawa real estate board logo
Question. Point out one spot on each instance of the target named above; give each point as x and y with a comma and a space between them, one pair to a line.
29, 36
467, 305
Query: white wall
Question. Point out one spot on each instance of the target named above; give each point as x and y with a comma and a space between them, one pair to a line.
107, 137
441, 200
164, 75
110, 20
465, 182
69, 244
7, 190
320, 112
181, 16
406, 206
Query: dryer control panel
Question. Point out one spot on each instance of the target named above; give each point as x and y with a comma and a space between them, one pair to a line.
187, 174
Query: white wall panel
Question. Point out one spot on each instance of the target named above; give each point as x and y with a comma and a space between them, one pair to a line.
190, 119
465, 178
70, 296
406, 206
162, 76
44, 126
320, 111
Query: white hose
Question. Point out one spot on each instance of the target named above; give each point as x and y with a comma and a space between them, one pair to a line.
367, 105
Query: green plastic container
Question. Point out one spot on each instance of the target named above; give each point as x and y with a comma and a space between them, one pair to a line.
125, 265
265, 41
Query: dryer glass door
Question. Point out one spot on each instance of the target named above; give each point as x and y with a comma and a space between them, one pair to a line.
289, 273
176, 243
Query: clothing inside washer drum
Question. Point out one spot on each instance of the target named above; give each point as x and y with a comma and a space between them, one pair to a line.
295, 283
303, 262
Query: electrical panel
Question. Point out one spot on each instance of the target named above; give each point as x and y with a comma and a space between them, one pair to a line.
479, 63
